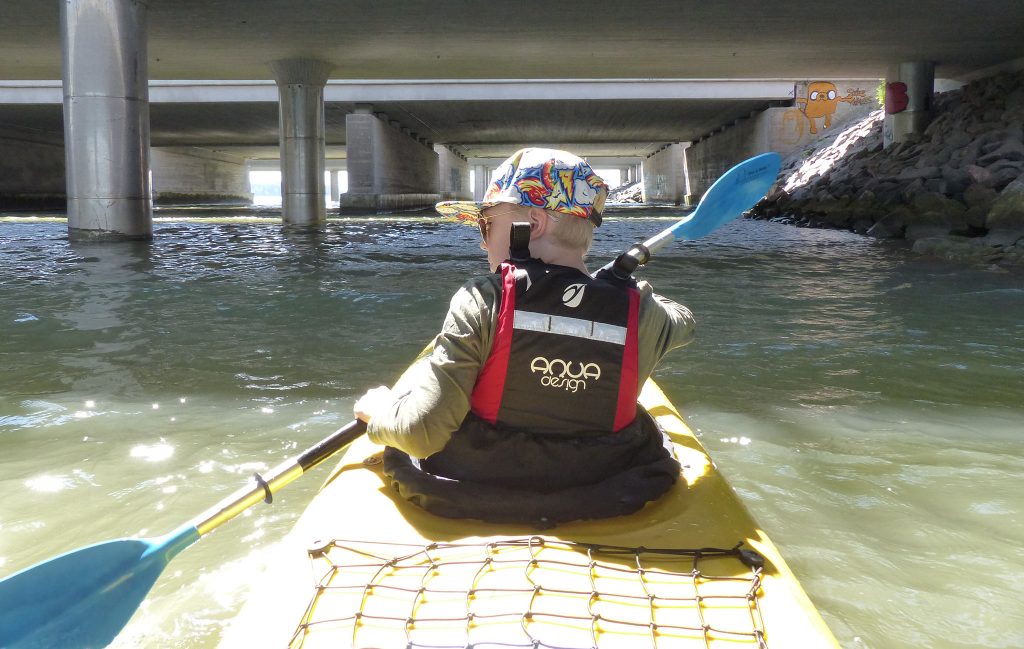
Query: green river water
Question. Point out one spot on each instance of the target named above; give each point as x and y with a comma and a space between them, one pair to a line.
866, 403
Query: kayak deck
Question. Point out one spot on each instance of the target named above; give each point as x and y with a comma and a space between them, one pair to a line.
364, 568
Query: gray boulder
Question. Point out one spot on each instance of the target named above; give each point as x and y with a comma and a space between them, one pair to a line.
932, 202
935, 215
890, 226
961, 249
1003, 177
1010, 149
980, 196
956, 179
980, 175
1005, 219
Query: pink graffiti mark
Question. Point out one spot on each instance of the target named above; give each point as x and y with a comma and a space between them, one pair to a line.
896, 99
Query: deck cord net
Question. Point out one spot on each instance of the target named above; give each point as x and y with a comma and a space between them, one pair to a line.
534, 593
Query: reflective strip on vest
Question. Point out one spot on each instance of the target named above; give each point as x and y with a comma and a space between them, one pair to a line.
544, 323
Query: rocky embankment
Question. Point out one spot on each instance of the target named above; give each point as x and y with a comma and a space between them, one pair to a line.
956, 191
631, 193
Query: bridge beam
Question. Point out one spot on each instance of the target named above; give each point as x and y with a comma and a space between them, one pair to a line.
106, 119
300, 86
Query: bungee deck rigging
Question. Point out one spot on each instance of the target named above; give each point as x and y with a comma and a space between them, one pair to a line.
533, 592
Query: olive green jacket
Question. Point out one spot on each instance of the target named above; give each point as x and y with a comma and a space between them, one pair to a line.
432, 397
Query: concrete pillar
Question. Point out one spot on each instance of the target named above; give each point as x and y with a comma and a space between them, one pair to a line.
644, 195
300, 86
666, 178
334, 186
481, 177
106, 119
908, 100
387, 169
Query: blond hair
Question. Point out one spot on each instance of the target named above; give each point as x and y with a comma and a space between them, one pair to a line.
571, 232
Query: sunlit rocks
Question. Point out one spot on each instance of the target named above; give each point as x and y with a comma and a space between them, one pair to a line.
958, 187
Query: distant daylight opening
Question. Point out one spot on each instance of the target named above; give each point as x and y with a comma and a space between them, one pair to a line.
266, 187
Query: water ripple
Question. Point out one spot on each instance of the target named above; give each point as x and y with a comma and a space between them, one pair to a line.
865, 403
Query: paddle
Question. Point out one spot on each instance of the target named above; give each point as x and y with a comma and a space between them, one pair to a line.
85, 597
735, 192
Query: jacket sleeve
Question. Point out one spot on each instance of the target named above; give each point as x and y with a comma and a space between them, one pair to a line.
664, 326
432, 397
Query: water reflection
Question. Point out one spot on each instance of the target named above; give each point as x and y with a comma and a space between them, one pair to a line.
100, 317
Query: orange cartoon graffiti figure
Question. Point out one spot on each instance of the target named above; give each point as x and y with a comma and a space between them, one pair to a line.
822, 100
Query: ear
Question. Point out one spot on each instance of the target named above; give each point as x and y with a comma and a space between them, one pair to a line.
539, 222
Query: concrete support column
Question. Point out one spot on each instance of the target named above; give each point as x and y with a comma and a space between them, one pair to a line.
388, 168
645, 195
908, 100
481, 178
666, 176
300, 86
452, 174
335, 187
106, 119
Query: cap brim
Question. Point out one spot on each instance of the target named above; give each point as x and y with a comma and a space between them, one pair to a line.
463, 211
468, 212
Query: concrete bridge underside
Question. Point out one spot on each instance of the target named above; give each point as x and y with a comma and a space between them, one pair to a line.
367, 39
107, 50
225, 123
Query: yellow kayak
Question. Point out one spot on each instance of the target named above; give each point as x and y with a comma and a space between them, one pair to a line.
364, 568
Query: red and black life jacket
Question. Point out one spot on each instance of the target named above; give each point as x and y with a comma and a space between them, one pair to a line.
564, 355
554, 433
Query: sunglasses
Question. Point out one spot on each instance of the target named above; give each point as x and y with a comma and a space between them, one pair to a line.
484, 223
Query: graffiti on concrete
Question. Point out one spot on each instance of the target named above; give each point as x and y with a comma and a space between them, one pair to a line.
822, 101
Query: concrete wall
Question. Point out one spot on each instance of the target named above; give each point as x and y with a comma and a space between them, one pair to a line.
31, 172
711, 157
665, 177
386, 167
813, 117
189, 175
452, 174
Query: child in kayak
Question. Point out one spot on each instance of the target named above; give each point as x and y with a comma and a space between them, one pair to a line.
525, 409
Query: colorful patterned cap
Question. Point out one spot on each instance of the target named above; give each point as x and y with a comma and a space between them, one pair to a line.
546, 178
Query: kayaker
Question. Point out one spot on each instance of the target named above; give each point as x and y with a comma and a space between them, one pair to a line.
525, 409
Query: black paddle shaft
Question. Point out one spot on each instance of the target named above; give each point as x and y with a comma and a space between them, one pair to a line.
328, 446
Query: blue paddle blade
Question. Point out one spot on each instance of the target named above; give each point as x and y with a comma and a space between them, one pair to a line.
731, 195
85, 597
